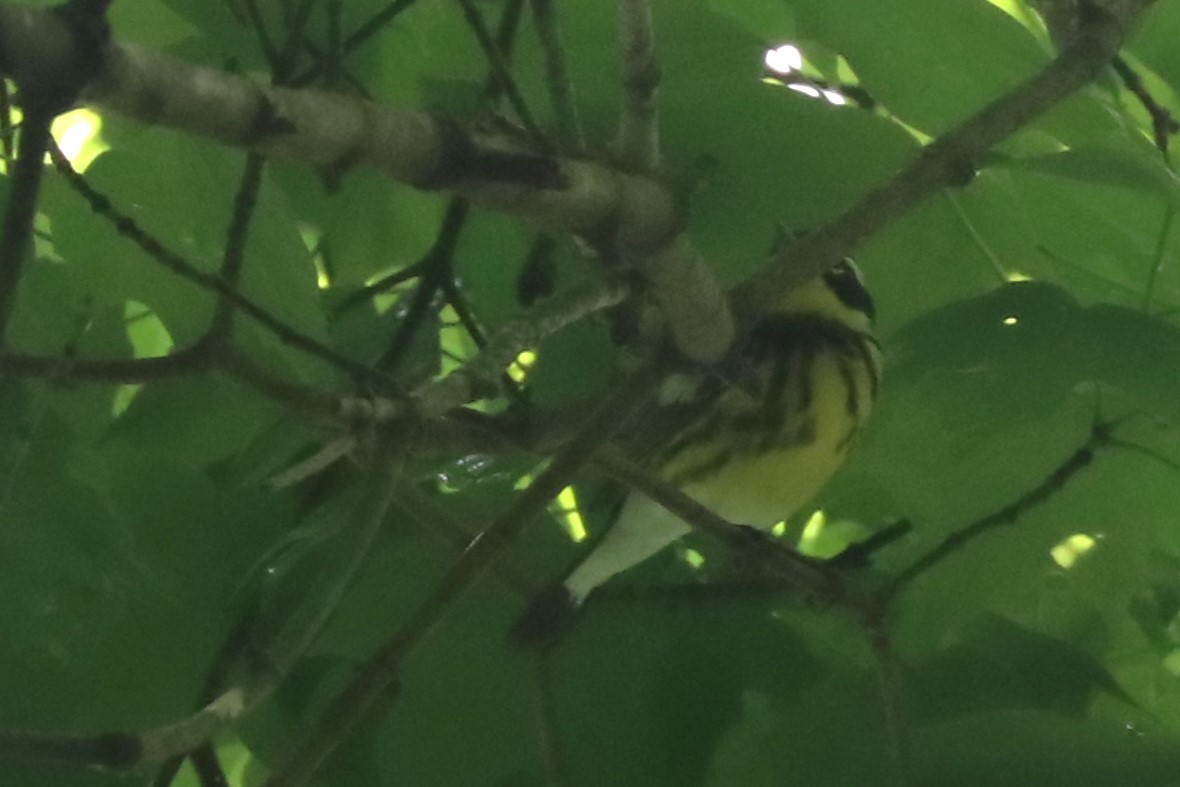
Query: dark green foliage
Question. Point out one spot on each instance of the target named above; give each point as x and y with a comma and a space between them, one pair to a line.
136, 526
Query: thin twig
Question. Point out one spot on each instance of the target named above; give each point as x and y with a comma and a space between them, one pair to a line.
284, 65
330, 64
1157, 257
639, 135
7, 130
208, 767
17, 229
976, 238
545, 712
811, 577
506, 31
503, 74
436, 267
245, 203
1163, 125
277, 646
119, 370
383, 667
561, 89
957, 540
382, 285
479, 377
481, 374
300, 399
939, 164
431, 517
454, 298
889, 685
375, 23
166, 774
157, 251
269, 51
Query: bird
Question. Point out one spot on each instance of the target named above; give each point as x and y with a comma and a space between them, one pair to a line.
761, 447
766, 447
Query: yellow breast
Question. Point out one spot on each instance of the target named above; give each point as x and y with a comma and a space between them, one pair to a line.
756, 462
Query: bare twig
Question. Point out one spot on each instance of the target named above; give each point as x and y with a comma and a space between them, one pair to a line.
7, 129
436, 268
810, 577
637, 215
996, 265
503, 74
478, 378
1159, 255
481, 374
1163, 125
384, 284
505, 42
158, 252
166, 774
269, 51
17, 230
208, 767
376, 23
890, 688
245, 201
297, 20
940, 163
276, 648
121, 370
544, 703
957, 540
561, 89
382, 668
505, 38
639, 134
300, 399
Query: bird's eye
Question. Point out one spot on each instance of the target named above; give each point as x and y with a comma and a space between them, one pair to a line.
845, 281
845, 268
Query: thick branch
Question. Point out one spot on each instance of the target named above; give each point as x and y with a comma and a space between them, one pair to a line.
633, 214
323, 128
942, 163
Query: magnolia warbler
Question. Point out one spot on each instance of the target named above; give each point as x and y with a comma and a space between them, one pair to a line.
764, 448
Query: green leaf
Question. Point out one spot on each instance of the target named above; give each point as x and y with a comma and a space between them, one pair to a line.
1113, 165
929, 64
1038, 747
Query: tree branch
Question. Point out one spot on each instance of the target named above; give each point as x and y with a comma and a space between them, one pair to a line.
1099, 436
118, 370
633, 214
17, 232
381, 670
158, 252
814, 579
481, 374
940, 164
437, 266
245, 201
502, 74
639, 130
277, 645
561, 89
